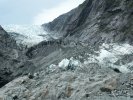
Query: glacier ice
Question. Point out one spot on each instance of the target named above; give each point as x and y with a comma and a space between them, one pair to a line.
31, 32
109, 54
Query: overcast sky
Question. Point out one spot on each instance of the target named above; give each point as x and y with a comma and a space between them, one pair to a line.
33, 11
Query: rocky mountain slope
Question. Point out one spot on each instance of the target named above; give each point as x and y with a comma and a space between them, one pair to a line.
12, 58
7, 52
74, 72
90, 60
96, 21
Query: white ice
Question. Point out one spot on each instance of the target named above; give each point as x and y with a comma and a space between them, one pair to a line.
110, 53
31, 32
64, 63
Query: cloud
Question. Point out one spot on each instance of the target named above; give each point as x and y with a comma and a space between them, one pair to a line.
47, 15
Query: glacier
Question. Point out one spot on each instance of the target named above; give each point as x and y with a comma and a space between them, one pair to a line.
107, 56
111, 54
32, 34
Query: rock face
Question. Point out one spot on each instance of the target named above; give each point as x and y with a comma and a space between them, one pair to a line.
6, 40
11, 58
96, 21
7, 52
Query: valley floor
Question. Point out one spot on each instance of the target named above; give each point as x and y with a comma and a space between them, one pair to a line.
76, 72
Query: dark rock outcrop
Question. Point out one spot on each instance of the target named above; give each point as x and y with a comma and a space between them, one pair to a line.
10, 58
7, 54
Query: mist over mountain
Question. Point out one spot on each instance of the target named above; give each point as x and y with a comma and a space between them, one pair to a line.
85, 54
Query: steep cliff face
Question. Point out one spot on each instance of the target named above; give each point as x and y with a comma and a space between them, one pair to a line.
96, 21
9, 57
7, 52
6, 40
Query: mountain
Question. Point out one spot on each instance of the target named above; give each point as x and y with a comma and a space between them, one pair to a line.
87, 57
96, 21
